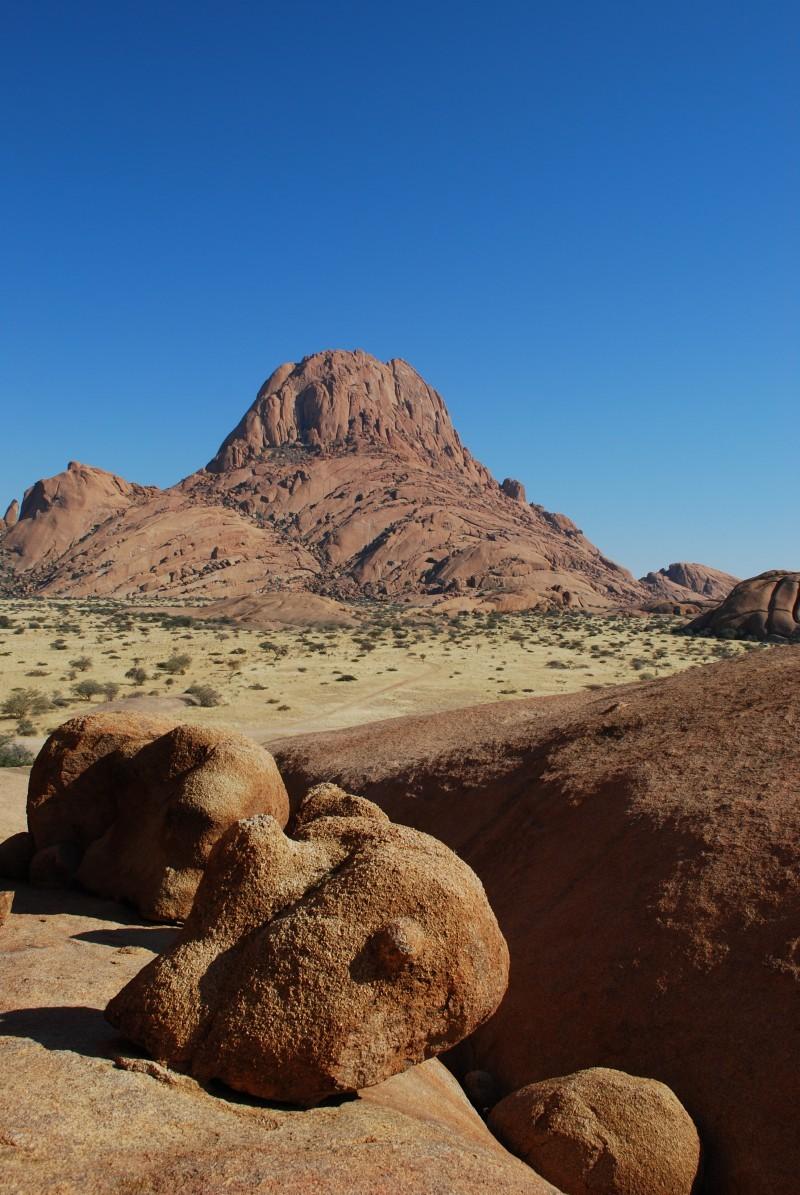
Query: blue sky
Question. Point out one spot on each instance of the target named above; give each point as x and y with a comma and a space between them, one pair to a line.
579, 220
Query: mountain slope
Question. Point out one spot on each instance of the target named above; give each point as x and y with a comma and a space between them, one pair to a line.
346, 478
685, 582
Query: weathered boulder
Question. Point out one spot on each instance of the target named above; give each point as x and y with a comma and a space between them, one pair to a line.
763, 607
320, 964
130, 807
513, 489
602, 1132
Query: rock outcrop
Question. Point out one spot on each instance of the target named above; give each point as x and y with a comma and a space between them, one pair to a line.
641, 849
602, 1132
11, 516
513, 489
345, 478
320, 964
683, 582
58, 512
81, 1114
130, 807
763, 607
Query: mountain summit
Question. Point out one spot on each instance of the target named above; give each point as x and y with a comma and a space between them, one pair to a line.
344, 478
336, 401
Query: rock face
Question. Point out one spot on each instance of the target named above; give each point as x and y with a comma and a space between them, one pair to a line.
763, 607
641, 849
602, 1132
345, 478
320, 964
513, 489
684, 583
130, 807
9, 520
59, 511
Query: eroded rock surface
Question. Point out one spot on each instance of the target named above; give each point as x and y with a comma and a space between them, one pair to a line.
82, 1114
763, 607
130, 807
324, 963
641, 849
602, 1132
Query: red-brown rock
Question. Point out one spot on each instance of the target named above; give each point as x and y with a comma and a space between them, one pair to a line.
763, 607
602, 1132
345, 478
320, 964
641, 849
130, 807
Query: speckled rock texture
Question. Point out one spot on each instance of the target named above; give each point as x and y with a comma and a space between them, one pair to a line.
602, 1132
320, 964
130, 807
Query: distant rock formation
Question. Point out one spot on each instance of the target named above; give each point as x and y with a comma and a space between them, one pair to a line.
345, 478
130, 807
513, 489
602, 1131
683, 583
9, 519
58, 512
320, 964
762, 607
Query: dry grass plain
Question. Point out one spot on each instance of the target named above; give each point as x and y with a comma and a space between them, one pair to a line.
296, 679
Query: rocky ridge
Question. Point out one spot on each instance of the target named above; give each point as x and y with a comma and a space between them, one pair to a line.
345, 478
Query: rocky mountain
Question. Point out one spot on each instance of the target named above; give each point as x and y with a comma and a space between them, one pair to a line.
344, 478
685, 583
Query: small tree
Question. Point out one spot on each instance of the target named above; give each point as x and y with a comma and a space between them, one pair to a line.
137, 675
82, 664
110, 690
87, 689
204, 695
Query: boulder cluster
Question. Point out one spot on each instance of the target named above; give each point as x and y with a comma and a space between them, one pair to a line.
766, 607
316, 963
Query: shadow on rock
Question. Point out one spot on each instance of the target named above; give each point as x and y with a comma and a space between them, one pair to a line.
155, 938
77, 1028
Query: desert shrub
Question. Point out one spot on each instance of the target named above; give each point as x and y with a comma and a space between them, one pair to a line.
205, 695
21, 703
26, 727
6, 623
87, 689
137, 675
59, 645
82, 664
14, 755
110, 690
175, 664
347, 676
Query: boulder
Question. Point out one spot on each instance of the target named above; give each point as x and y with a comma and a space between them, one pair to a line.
320, 964
602, 1132
763, 607
514, 489
130, 807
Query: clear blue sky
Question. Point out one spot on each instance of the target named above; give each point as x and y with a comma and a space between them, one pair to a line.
580, 220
